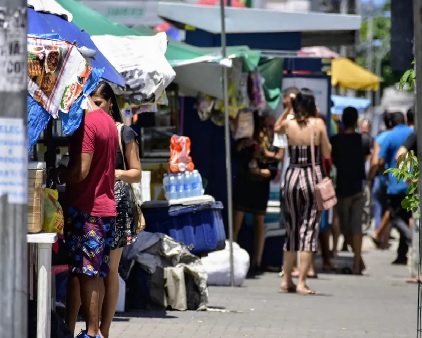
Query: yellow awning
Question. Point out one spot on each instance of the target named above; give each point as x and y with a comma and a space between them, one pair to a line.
349, 75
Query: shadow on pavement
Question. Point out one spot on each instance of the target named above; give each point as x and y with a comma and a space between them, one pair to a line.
144, 314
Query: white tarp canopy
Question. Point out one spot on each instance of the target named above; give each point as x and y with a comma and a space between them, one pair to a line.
50, 6
320, 29
252, 20
142, 62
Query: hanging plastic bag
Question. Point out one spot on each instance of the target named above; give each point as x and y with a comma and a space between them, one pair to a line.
243, 125
180, 160
53, 212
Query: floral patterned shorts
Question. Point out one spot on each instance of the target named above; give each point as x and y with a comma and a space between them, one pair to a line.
88, 241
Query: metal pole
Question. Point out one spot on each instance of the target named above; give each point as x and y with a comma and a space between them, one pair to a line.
227, 141
14, 168
370, 55
417, 12
378, 72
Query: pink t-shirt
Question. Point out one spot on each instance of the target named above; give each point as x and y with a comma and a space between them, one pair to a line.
95, 194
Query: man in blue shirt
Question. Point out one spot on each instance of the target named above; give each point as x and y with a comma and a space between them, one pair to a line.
396, 190
378, 181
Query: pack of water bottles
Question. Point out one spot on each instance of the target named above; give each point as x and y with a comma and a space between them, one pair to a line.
183, 185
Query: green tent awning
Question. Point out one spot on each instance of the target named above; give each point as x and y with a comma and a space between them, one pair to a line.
177, 54
272, 72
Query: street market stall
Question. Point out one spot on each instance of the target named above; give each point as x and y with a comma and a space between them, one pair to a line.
266, 30
59, 76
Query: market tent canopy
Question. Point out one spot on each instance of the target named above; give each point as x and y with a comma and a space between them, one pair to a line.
341, 102
318, 51
252, 20
349, 75
261, 28
44, 23
178, 53
206, 77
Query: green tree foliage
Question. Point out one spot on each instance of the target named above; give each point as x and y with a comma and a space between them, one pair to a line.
408, 165
381, 32
408, 171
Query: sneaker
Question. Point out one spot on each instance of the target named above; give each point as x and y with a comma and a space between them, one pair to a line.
83, 334
400, 261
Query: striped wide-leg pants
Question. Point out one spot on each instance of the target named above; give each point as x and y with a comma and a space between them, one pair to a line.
301, 214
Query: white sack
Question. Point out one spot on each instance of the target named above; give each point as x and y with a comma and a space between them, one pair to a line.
217, 265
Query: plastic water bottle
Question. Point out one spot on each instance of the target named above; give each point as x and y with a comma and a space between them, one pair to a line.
197, 189
187, 176
166, 183
180, 186
170, 187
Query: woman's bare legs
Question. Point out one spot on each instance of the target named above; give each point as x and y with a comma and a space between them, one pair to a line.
110, 293
259, 238
237, 223
306, 258
288, 263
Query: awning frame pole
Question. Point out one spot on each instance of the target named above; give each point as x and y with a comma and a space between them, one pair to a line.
227, 140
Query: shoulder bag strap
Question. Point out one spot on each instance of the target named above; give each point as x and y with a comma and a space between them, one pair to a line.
119, 130
313, 151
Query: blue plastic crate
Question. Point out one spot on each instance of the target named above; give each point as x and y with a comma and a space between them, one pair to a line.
199, 226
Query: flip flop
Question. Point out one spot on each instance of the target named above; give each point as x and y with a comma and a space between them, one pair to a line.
306, 292
346, 271
414, 280
377, 242
289, 289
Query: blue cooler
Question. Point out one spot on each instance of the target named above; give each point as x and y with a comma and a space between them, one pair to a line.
196, 222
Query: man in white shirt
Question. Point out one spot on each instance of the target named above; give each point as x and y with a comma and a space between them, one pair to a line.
280, 140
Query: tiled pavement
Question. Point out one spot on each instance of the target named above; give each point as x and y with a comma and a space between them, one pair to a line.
378, 304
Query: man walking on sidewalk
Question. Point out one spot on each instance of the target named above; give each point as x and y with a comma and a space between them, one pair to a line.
349, 151
396, 190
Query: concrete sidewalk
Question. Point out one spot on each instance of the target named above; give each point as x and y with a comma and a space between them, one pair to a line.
378, 304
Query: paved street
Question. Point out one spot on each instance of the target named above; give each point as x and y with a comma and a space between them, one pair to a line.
379, 304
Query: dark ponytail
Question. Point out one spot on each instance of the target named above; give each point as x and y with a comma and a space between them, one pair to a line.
304, 106
105, 91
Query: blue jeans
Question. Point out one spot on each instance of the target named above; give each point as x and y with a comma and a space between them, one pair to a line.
379, 195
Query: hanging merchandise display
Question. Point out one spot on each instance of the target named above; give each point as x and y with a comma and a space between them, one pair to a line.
41, 23
237, 90
246, 94
142, 62
255, 90
38, 117
57, 73
243, 125
206, 105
